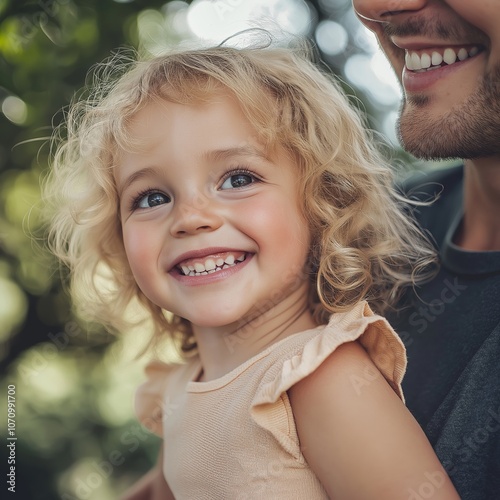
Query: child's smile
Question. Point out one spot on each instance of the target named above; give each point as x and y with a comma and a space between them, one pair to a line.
212, 221
209, 261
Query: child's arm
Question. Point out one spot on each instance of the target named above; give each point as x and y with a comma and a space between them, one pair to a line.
359, 438
152, 486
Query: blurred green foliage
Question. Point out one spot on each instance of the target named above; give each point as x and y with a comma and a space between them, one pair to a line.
77, 436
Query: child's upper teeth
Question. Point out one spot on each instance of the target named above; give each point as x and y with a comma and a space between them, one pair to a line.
199, 268
426, 60
211, 264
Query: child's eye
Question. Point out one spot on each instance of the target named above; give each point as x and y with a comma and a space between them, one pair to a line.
151, 199
238, 180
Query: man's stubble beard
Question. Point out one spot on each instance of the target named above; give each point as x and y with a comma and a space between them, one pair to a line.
470, 130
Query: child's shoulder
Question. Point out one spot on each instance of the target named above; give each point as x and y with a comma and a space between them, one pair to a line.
348, 369
357, 342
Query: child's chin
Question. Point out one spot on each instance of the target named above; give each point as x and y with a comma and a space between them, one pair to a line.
215, 320
210, 323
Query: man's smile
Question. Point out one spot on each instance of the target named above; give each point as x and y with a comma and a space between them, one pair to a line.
431, 59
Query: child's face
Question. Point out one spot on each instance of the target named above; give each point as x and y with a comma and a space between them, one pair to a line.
211, 224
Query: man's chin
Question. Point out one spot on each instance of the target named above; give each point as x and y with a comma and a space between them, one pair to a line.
468, 130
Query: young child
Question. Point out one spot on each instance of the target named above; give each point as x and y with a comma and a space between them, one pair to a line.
237, 196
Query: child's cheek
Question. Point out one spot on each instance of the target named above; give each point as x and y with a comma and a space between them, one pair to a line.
139, 249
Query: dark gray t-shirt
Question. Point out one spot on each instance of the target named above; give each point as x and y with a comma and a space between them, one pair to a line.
452, 334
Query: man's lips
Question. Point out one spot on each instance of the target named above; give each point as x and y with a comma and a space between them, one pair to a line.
425, 61
422, 43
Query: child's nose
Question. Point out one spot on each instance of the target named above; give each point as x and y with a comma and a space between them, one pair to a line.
383, 10
195, 216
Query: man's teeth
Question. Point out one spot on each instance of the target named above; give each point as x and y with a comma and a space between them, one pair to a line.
211, 265
426, 61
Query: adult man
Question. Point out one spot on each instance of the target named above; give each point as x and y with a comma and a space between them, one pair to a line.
446, 54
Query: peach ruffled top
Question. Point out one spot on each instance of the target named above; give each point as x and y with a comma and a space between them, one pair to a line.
234, 437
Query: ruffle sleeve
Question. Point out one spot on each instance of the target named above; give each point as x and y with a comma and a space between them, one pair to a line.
372, 331
150, 396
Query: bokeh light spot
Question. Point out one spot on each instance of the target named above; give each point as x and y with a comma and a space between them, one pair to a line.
332, 38
217, 20
359, 71
50, 375
15, 109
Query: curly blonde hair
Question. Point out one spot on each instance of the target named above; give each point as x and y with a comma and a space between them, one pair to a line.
363, 245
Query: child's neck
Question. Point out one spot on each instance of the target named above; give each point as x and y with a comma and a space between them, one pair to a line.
224, 349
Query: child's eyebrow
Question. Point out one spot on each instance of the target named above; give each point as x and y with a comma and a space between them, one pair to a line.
137, 175
227, 153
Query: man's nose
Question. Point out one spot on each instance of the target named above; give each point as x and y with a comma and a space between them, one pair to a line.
383, 10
